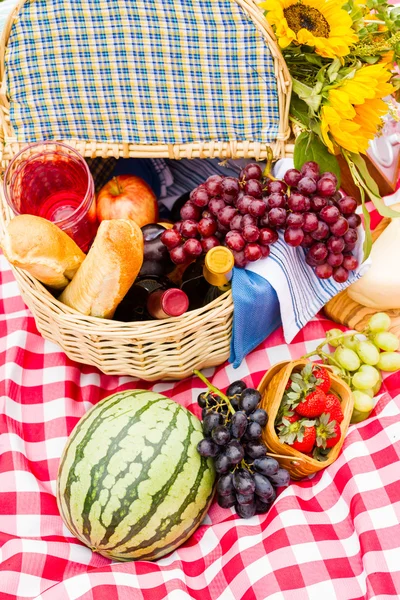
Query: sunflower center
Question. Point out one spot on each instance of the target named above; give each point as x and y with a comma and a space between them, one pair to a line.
300, 16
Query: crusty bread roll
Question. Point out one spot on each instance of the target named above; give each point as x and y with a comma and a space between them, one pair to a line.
108, 271
43, 249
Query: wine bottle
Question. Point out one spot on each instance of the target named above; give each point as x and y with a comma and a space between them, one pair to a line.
208, 277
162, 304
134, 306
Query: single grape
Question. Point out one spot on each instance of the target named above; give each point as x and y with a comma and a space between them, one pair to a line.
213, 419
324, 271
262, 507
244, 499
234, 451
331, 176
259, 416
207, 226
244, 204
298, 202
235, 388
335, 244
292, 177
249, 399
171, 238
335, 260
226, 214
253, 431
238, 424
266, 465
220, 435
225, 485
189, 229
246, 511
294, 236
264, 221
255, 449
329, 214
379, 322
248, 220
347, 205
192, 247
243, 482
308, 241
276, 201
281, 478
307, 186
264, 488
318, 203
215, 205
252, 252
311, 169
178, 226
240, 259
257, 208
340, 227
207, 448
354, 220
363, 379
362, 401
190, 212
334, 337
350, 237
236, 222
268, 236
235, 241
351, 342
277, 217
213, 185
200, 197
253, 188
321, 232
386, 341
226, 501
347, 359
326, 187
222, 464
310, 222
208, 243
389, 361
368, 352
202, 399
312, 262
251, 233
276, 187
178, 255
369, 392
230, 187
340, 274
252, 171
295, 220
318, 252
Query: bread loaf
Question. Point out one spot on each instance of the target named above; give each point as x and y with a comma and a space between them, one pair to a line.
42, 249
108, 271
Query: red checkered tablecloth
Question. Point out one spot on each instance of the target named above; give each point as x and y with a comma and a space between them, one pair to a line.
335, 536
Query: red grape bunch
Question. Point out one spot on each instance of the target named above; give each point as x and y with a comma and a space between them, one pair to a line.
246, 213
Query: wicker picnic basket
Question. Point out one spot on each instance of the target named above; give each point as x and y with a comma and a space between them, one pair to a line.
139, 78
272, 388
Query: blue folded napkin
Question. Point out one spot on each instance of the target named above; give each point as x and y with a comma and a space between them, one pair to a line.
256, 313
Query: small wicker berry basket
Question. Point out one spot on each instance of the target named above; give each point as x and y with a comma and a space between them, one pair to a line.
272, 388
177, 79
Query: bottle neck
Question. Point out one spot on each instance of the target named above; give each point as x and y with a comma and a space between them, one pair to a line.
217, 279
162, 304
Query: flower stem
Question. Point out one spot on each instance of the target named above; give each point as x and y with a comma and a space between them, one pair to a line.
215, 390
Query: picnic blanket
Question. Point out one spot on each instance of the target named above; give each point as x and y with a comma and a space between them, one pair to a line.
335, 535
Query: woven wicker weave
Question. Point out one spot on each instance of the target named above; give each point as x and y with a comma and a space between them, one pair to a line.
167, 349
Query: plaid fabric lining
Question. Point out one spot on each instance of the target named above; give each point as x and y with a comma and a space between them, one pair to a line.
140, 71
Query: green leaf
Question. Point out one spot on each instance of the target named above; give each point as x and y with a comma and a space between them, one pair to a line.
307, 94
299, 110
372, 189
367, 246
307, 147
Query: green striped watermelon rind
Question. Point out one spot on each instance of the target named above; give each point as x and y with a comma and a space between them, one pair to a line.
158, 500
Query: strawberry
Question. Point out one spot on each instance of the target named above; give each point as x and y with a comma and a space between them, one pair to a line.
292, 418
322, 374
308, 440
334, 408
288, 385
312, 405
328, 432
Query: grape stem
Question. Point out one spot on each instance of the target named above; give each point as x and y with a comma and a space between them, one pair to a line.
212, 388
268, 166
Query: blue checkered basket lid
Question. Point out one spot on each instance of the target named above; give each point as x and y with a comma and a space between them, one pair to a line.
141, 72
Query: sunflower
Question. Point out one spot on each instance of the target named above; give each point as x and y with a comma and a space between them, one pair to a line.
353, 111
319, 23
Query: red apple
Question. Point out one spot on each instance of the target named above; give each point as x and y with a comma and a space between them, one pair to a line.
127, 197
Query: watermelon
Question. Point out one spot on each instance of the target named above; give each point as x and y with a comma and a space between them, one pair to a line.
131, 484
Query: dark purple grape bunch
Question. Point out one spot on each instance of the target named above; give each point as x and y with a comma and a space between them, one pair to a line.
229, 211
233, 426
322, 221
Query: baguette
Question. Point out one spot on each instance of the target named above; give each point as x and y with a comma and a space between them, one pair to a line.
108, 271
42, 249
